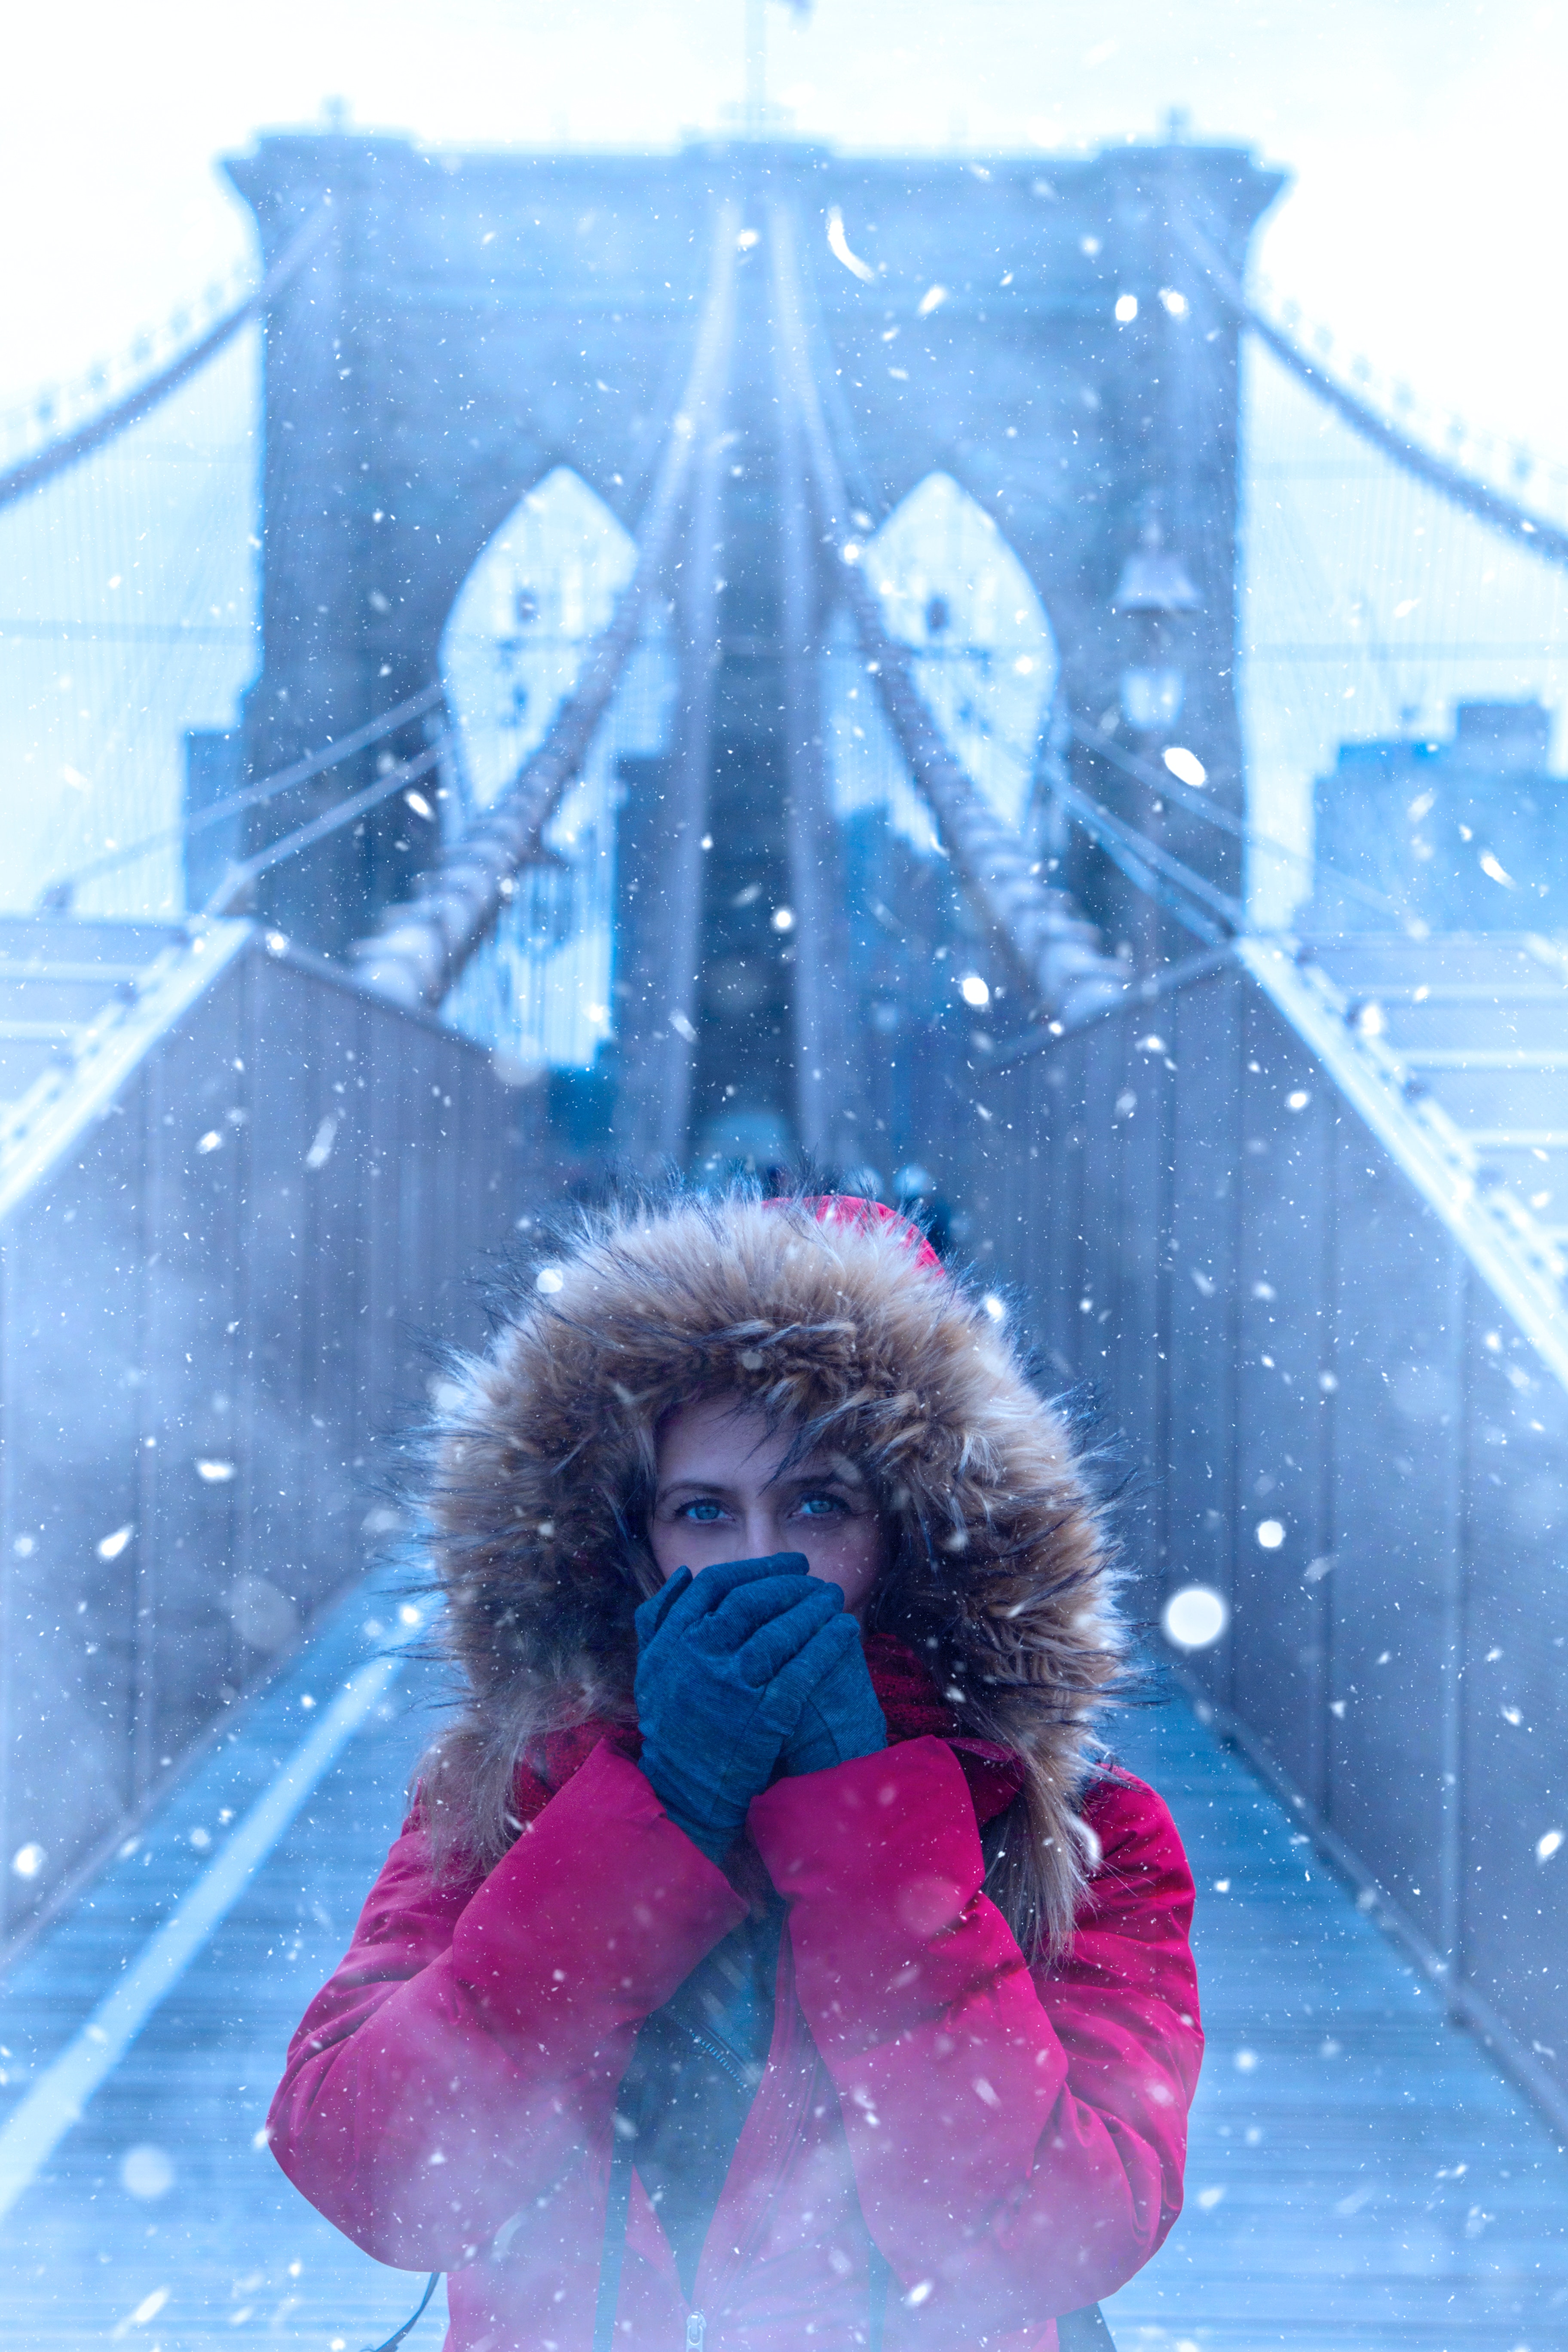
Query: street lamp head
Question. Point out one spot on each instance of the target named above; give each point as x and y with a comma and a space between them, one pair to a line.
1153, 578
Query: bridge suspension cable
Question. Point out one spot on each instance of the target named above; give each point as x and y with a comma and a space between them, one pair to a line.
57, 896
1168, 786
70, 448
656, 1025
1054, 950
423, 943
829, 1071
226, 898
1121, 839
1202, 908
1486, 503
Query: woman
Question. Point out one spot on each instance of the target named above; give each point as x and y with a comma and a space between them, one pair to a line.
770, 1956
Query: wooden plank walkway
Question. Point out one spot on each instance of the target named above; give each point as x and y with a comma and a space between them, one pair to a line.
234, 2249
1362, 2179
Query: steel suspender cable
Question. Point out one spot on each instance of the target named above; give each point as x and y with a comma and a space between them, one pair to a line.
423, 944
1056, 953
44, 464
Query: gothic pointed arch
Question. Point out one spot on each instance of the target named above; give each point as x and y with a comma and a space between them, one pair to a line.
541, 590
985, 658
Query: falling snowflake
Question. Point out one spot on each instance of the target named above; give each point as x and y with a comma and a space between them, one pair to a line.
1185, 766
1196, 1617
146, 2172
838, 246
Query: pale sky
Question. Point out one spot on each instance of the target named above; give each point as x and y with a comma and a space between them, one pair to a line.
1424, 136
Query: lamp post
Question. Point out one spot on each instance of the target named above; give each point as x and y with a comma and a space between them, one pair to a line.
1155, 590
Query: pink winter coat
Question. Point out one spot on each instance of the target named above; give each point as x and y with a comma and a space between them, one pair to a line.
1011, 2140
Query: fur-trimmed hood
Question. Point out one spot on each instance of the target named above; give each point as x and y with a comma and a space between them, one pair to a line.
839, 1323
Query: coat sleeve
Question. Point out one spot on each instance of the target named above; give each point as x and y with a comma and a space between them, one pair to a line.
470, 2047
1018, 2135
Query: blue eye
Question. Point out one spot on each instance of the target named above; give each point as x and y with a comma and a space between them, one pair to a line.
704, 1511
822, 1506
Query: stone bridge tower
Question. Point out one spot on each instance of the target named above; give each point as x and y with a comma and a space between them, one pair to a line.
1032, 329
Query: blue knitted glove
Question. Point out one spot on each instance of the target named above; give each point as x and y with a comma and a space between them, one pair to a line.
726, 1660
842, 1717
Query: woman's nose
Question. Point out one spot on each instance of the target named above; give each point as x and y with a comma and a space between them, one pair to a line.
760, 1531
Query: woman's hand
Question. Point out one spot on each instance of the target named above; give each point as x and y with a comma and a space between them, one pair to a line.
727, 1661
841, 1718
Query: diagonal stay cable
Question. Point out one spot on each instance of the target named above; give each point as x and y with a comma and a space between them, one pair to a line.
29, 473
1169, 786
1489, 505
58, 894
239, 878
1169, 894
1054, 950
1107, 828
1156, 779
423, 943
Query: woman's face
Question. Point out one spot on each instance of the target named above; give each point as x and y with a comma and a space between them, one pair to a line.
723, 1493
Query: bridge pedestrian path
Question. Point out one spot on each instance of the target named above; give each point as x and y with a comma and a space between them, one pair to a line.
1361, 2177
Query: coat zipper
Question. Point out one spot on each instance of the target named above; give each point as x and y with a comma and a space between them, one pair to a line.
783, 2049
724, 2059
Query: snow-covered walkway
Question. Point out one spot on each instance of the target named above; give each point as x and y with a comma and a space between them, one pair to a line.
1362, 2179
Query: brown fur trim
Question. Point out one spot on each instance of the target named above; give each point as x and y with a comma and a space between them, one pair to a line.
543, 1467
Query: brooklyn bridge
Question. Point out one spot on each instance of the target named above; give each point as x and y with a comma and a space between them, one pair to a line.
770, 663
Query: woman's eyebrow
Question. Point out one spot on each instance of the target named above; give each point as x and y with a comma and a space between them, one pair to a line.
805, 1474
